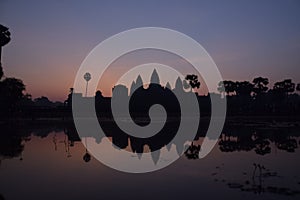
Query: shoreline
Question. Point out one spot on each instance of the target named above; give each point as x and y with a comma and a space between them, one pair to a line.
229, 119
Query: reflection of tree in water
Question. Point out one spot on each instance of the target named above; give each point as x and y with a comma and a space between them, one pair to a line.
230, 143
14, 138
286, 142
12, 142
11, 147
257, 141
193, 151
261, 144
54, 139
86, 156
71, 136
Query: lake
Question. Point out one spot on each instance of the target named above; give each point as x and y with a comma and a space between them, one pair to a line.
251, 160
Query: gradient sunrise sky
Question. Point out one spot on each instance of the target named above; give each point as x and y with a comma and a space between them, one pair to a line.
50, 39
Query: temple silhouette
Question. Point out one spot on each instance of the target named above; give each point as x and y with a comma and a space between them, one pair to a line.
141, 97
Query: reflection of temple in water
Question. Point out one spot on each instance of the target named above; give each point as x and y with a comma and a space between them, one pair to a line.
262, 141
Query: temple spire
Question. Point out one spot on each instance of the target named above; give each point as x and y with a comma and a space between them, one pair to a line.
154, 77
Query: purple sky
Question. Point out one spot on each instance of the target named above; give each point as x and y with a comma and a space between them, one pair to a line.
246, 39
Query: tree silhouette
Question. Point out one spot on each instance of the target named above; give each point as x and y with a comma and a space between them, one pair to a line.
43, 101
221, 87
227, 87
284, 87
14, 88
1, 71
11, 90
298, 87
260, 85
4, 37
193, 81
193, 151
68, 101
243, 92
244, 88
4, 40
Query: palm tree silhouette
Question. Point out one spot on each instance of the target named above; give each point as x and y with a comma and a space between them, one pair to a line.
87, 77
193, 81
4, 40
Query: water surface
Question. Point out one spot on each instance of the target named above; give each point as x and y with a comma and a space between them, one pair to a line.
250, 161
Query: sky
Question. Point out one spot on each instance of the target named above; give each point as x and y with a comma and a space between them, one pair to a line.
50, 39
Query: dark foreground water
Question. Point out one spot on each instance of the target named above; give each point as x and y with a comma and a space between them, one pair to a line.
256, 160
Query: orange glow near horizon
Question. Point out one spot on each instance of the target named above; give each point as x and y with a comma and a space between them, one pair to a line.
49, 40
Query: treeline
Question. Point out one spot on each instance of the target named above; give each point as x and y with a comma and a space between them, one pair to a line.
15, 102
257, 98
243, 98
